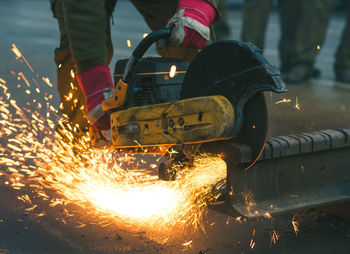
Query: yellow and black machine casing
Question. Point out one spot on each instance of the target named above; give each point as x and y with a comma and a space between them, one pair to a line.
217, 97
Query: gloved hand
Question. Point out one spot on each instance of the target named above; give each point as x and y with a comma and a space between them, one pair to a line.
96, 84
191, 24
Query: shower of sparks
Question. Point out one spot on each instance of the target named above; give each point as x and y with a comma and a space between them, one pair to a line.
249, 201
284, 100
252, 243
96, 179
172, 71
33, 156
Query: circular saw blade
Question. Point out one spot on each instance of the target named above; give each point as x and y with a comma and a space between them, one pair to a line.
254, 128
240, 72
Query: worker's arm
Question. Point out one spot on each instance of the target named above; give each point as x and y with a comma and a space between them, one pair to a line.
191, 23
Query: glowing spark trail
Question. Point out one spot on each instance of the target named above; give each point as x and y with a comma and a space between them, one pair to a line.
19, 55
274, 237
295, 227
47, 81
37, 159
297, 105
187, 243
95, 178
284, 100
33, 155
172, 71
252, 244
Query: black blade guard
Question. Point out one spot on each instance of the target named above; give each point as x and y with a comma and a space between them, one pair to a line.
240, 72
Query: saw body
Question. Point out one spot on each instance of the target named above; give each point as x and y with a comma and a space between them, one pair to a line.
160, 103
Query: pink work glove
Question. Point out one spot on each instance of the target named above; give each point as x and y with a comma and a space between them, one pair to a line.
191, 24
96, 84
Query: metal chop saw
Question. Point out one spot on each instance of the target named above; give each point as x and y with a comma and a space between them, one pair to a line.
217, 98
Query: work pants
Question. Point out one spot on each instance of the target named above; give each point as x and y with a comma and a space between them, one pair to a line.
342, 57
222, 27
303, 26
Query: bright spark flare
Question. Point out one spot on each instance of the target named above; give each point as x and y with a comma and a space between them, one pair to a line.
284, 100
274, 237
295, 227
97, 179
267, 215
172, 71
297, 105
252, 244
15, 50
37, 157
187, 243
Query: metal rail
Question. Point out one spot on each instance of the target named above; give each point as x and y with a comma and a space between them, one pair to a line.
294, 172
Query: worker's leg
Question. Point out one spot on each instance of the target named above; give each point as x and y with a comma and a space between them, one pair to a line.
303, 36
255, 17
72, 101
342, 62
222, 27
315, 16
289, 24
157, 14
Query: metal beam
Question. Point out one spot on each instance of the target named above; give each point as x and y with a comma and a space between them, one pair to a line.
294, 172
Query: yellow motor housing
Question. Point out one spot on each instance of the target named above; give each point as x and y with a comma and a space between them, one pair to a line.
188, 121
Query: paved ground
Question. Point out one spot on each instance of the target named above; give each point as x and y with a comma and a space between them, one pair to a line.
324, 104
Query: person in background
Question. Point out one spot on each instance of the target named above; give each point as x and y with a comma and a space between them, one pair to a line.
307, 39
299, 42
342, 57
255, 16
303, 26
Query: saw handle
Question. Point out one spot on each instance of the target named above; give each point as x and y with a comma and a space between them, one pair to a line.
140, 50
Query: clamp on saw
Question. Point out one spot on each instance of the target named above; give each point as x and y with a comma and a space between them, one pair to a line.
218, 97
